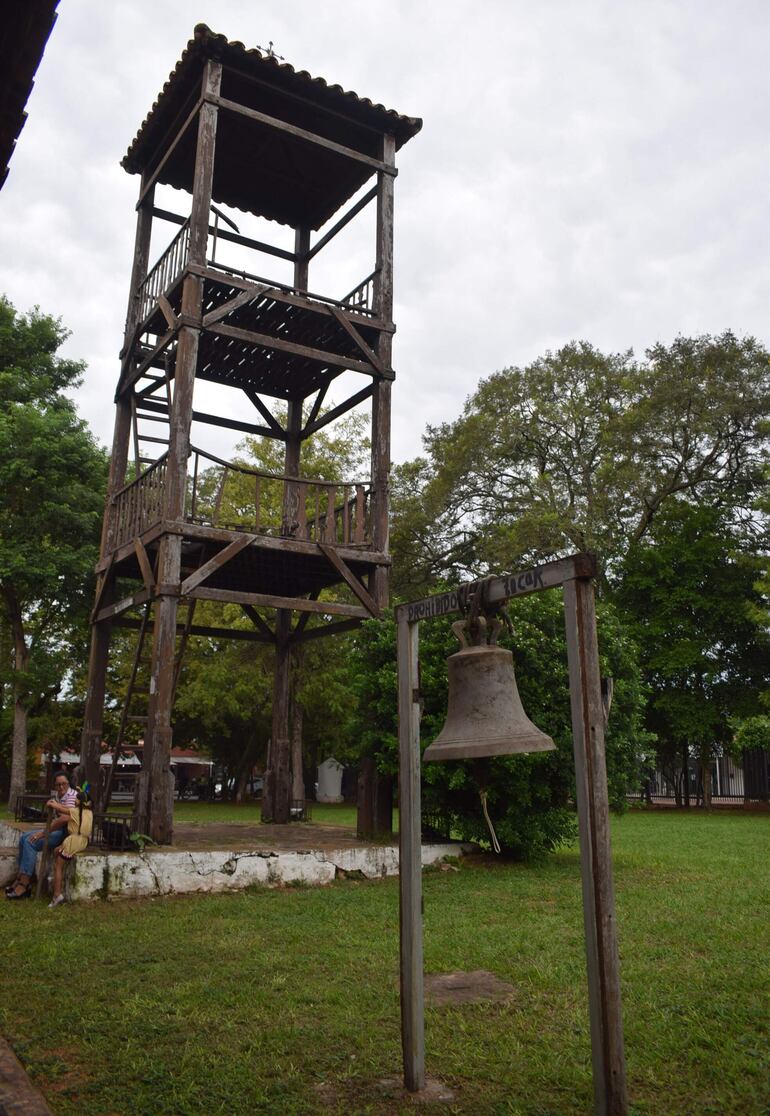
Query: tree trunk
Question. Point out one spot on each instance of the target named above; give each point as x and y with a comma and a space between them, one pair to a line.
241, 781
20, 712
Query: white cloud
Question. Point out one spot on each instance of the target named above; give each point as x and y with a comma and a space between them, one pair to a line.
590, 170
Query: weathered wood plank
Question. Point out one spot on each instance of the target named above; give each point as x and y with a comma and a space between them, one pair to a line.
168, 313
250, 337
153, 178
608, 1057
200, 630
351, 330
268, 600
267, 414
302, 133
410, 860
144, 564
312, 301
327, 630
215, 563
343, 221
258, 621
314, 424
228, 307
349, 578
225, 234
548, 576
122, 605
381, 398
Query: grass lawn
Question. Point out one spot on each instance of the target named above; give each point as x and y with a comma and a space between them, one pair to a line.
286, 1002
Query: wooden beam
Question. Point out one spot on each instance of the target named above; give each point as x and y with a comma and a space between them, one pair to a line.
225, 234
326, 630
316, 407
258, 622
267, 600
604, 1003
103, 580
349, 578
317, 303
548, 576
215, 563
200, 630
130, 377
343, 221
410, 859
321, 355
302, 133
213, 420
221, 534
234, 303
168, 312
335, 412
299, 627
144, 565
123, 605
351, 330
170, 150
266, 413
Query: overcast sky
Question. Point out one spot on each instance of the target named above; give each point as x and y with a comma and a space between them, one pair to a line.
586, 169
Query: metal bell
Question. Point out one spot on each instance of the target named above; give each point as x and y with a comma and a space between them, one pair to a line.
485, 716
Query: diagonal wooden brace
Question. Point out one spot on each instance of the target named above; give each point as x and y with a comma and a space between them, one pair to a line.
349, 578
215, 563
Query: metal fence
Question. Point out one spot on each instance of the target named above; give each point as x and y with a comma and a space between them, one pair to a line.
733, 782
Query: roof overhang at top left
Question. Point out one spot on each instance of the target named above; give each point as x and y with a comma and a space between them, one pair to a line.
24, 29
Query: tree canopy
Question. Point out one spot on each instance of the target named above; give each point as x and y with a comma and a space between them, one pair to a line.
581, 450
52, 481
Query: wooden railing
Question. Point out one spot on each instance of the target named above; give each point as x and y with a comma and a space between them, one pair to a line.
236, 496
165, 272
362, 296
138, 505
227, 494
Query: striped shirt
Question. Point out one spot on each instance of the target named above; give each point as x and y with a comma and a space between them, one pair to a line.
69, 798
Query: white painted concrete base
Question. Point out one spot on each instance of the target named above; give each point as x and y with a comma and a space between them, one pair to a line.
172, 871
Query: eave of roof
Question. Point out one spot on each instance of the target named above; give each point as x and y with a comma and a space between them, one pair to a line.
24, 33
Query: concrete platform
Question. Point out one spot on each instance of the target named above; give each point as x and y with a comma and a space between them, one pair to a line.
225, 857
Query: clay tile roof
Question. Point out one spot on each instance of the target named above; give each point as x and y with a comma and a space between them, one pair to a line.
262, 82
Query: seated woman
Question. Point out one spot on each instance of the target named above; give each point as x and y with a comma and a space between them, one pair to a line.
79, 829
31, 843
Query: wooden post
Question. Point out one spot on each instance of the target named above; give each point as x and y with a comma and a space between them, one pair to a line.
609, 1069
93, 719
381, 402
410, 859
276, 793
154, 800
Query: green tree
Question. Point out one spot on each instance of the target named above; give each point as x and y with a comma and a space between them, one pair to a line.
689, 596
530, 796
580, 450
52, 478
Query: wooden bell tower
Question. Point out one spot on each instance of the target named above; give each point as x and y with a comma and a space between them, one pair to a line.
239, 128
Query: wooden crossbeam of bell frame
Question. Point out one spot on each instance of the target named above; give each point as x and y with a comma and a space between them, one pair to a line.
575, 576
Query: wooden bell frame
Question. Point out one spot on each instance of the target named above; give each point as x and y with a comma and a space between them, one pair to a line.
575, 575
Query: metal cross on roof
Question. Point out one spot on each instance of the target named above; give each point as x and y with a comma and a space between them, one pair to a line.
270, 52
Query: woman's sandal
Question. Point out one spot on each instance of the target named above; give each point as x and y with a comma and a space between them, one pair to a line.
25, 894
